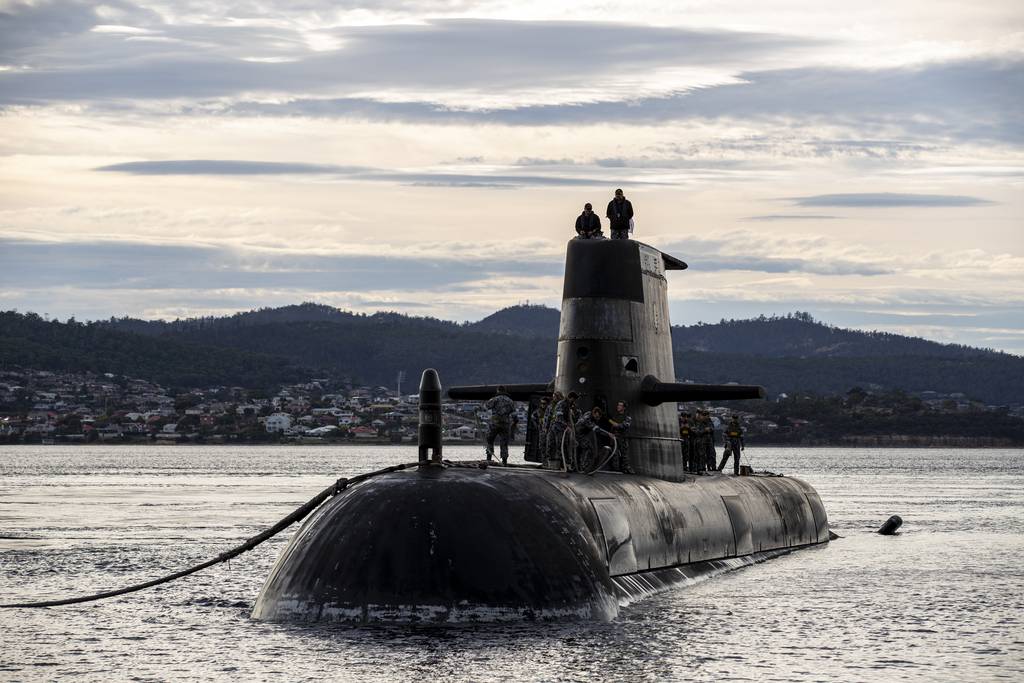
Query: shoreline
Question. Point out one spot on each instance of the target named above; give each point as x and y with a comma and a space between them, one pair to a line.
963, 442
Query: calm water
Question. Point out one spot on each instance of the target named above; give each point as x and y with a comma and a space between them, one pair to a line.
944, 600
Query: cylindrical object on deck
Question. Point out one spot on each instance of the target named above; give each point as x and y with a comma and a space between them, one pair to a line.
430, 417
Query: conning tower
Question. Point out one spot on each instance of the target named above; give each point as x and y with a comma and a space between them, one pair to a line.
615, 343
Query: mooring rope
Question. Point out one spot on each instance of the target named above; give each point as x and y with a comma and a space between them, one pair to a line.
308, 507
614, 450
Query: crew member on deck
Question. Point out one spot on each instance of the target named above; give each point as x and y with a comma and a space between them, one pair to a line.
733, 438
686, 443
587, 431
620, 422
501, 407
561, 432
706, 440
547, 429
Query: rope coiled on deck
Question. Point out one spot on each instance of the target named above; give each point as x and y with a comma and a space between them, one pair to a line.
300, 513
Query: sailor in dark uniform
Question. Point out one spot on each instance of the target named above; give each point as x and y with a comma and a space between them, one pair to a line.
733, 437
706, 435
500, 428
589, 452
686, 443
588, 224
620, 213
561, 431
620, 422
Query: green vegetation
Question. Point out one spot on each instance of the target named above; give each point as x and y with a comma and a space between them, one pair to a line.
886, 418
27, 340
266, 347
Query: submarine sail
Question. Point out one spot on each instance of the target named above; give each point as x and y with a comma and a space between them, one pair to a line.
448, 542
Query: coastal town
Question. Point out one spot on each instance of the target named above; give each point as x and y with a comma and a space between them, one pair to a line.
42, 407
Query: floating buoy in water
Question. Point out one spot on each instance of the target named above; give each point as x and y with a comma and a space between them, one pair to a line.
891, 525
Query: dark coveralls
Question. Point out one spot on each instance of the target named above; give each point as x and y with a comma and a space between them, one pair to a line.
588, 226
587, 454
733, 445
501, 407
565, 413
619, 213
620, 423
707, 444
536, 433
686, 444
546, 425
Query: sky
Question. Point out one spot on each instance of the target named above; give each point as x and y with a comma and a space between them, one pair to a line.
863, 162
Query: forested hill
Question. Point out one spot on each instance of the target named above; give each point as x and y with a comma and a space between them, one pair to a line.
29, 341
516, 344
798, 335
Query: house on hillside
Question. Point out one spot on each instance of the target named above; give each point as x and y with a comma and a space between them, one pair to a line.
364, 432
278, 422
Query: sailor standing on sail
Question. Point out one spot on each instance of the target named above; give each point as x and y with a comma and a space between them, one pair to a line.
620, 213
588, 224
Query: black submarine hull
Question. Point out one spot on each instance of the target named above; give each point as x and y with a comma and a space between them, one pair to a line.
463, 544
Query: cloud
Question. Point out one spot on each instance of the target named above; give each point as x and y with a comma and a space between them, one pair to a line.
792, 217
230, 167
25, 25
466, 62
972, 99
143, 266
889, 200
227, 167
477, 71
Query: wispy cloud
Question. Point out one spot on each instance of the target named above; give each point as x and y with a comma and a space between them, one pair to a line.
230, 167
793, 217
142, 266
462, 62
889, 200
971, 99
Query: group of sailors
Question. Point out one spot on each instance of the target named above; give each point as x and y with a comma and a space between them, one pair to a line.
620, 219
566, 437
580, 441
697, 441
577, 441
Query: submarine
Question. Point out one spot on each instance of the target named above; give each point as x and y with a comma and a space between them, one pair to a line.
444, 542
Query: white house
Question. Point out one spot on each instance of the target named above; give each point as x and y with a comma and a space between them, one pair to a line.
278, 422
464, 432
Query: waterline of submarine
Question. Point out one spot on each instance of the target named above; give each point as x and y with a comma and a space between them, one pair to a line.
450, 544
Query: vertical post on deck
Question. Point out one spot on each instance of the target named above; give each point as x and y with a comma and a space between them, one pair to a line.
430, 417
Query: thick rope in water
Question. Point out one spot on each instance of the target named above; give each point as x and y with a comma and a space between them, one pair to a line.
308, 507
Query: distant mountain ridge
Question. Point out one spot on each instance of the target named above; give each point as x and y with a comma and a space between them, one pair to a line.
515, 344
